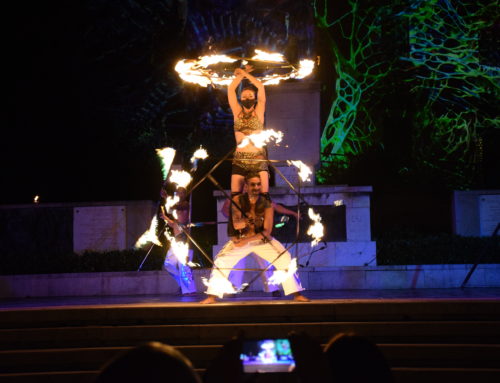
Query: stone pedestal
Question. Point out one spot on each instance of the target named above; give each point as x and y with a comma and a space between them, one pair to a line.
108, 226
353, 248
476, 213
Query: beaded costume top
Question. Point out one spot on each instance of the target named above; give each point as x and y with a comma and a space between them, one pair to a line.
248, 125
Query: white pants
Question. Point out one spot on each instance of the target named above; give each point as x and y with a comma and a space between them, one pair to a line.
230, 255
181, 273
236, 276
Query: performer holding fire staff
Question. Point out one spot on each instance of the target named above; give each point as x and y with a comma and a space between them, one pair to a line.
254, 227
248, 119
237, 275
180, 272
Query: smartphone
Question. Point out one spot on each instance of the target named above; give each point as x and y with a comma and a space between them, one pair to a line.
267, 355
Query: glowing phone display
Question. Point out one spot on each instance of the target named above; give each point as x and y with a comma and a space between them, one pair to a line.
267, 355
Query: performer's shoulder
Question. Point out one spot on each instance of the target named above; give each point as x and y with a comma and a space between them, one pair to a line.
267, 204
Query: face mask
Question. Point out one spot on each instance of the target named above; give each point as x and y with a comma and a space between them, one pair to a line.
248, 103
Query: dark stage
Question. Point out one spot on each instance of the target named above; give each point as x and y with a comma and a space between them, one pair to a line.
257, 298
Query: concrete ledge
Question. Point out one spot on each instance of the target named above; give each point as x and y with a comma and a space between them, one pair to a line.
313, 278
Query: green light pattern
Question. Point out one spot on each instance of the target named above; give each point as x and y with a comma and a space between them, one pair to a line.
444, 51
457, 95
349, 127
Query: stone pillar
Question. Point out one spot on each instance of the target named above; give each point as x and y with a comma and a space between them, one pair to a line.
294, 109
476, 212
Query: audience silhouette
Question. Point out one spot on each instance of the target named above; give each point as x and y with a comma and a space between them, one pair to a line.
152, 362
356, 359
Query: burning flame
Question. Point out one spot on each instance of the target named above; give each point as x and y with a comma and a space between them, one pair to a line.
169, 204
167, 157
279, 276
215, 59
149, 235
219, 286
187, 72
199, 154
197, 71
262, 138
306, 67
316, 230
266, 56
181, 178
179, 248
304, 170
36, 199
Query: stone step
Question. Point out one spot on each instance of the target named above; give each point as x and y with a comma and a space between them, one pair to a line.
50, 377
442, 355
474, 332
401, 375
279, 311
440, 375
398, 355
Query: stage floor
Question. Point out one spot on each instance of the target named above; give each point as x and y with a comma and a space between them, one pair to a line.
326, 296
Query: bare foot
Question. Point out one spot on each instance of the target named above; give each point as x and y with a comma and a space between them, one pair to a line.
208, 300
297, 297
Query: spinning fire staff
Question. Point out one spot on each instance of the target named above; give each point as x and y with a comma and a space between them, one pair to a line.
217, 70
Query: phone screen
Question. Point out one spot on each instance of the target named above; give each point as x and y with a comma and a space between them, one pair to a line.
267, 355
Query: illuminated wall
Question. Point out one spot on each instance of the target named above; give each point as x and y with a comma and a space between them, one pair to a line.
443, 63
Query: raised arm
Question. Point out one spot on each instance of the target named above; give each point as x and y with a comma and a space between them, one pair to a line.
261, 93
231, 93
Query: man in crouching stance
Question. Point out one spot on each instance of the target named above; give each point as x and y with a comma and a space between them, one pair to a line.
254, 236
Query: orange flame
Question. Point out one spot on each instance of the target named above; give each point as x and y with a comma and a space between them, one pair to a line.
219, 286
262, 138
149, 235
279, 276
179, 248
181, 178
197, 71
167, 157
316, 230
304, 170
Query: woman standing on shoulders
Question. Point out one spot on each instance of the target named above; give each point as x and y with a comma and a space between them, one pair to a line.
248, 116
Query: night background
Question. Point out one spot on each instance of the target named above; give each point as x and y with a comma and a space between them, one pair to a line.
409, 93
405, 280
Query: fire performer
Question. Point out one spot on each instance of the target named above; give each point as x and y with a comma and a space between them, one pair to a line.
237, 275
180, 272
248, 119
254, 229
